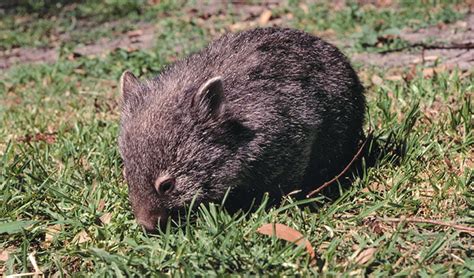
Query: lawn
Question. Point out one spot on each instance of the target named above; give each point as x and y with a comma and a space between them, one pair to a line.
64, 210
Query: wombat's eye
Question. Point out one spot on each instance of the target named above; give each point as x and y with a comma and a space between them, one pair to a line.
164, 185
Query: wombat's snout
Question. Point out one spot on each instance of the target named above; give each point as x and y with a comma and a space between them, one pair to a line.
151, 219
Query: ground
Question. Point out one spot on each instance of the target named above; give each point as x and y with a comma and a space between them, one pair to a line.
409, 210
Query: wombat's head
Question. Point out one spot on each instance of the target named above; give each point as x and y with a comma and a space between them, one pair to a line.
177, 146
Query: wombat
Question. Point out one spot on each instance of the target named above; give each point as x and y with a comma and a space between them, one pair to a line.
265, 110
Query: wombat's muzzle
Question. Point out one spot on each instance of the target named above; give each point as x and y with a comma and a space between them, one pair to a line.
151, 219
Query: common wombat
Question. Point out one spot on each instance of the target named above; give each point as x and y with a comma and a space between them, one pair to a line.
266, 110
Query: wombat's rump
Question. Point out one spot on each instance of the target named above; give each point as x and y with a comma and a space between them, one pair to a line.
266, 110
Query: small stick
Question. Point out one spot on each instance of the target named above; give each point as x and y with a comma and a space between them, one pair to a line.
468, 46
356, 156
36, 274
429, 221
32, 258
22, 275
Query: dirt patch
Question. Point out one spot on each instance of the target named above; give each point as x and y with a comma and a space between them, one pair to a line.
240, 9
27, 55
450, 45
140, 38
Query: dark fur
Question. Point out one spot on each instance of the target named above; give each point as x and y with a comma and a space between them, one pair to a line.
291, 116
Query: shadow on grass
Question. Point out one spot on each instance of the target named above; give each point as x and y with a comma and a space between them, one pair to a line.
376, 151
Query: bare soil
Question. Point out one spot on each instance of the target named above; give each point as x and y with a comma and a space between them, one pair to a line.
448, 45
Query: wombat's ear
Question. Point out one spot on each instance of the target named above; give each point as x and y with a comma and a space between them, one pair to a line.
130, 90
210, 97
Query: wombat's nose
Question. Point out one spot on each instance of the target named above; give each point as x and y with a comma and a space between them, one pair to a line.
164, 185
150, 220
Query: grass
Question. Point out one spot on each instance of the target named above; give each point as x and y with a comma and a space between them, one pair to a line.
64, 199
49, 23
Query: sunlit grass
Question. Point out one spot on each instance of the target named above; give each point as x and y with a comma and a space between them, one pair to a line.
64, 199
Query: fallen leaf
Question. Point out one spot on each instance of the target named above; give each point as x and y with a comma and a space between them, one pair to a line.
463, 24
82, 237
330, 231
4, 256
431, 58
441, 25
383, 3
73, 56
80, 71
364, 76
394, 77
135, 33
386, 38
466, 74
411, 74
51, 231
105, 218
377, 80
46, 81
45, 137
424, 59
374, 225
286, 233
428, 72
365, 256
304, 8
101, 205
239, 26
264, 17
356, 273
49, 138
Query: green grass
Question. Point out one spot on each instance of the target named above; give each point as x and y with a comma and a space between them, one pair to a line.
46, 23
56, 196
363, 26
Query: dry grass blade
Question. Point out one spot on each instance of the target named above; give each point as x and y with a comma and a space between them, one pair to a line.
288, 234
105, 218
364, 256
265, 17
36, 274
458, 227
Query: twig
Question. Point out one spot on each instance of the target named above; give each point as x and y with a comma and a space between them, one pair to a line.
32, 258
468, 46
348, 166
38, 273
429, 221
